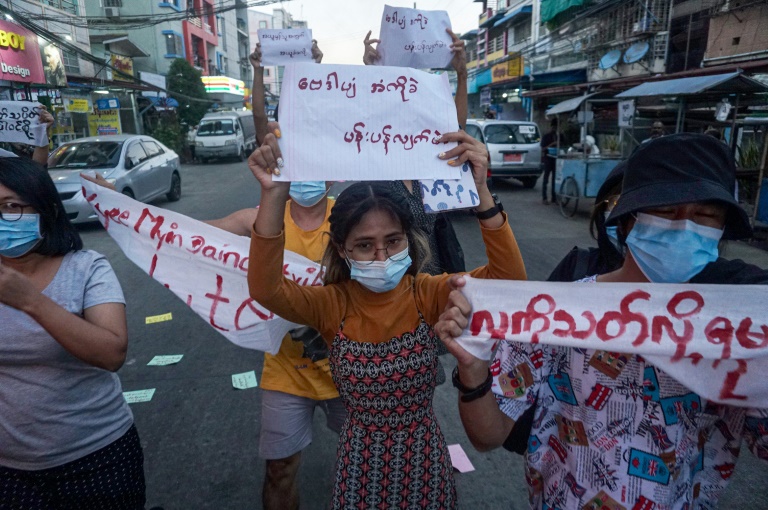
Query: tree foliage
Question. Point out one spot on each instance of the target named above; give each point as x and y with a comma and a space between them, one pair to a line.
183, 82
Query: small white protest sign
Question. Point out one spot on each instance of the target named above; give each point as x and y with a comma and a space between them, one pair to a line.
711, 338
285, 46
448, 194
414, 38
170, 247
20, 123
360, 123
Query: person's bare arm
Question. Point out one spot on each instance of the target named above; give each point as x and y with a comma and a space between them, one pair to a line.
459, 64
238, 223
99, 338
258, 106
40, 154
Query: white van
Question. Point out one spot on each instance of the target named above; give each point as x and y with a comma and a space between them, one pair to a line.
225, 134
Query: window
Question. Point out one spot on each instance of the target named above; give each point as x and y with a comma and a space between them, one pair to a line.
223, 32
174, 46
266, 72
71, 63
152, 148
65, 5
268, 87
216, 128
173, 4
112, 3
511, 133
262, 24
522, 32
136, 154
474, 132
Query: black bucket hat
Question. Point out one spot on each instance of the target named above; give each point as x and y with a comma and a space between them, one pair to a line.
679, 169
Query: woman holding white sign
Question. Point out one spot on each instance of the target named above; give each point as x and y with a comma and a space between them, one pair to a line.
67, 434
375, 311
651, 439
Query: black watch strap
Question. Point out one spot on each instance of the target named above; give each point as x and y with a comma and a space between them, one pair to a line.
493, 211
470, 394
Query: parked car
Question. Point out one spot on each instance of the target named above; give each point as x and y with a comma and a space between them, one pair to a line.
138, 166
225, 134
513, 146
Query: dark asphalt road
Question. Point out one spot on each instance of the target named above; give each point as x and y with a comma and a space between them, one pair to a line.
200, 435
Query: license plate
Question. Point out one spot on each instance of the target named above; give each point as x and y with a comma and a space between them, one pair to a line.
513, 158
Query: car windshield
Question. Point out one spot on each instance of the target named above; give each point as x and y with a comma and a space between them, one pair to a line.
96, 154
511, 133
216, 128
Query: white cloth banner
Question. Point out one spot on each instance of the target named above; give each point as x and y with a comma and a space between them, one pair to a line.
712, 338
359, 123
414, 38
286, 46
204, 266
20, 123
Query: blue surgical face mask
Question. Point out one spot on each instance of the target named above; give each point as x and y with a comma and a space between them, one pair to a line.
307, 193
380, 276
17, 238
672, 251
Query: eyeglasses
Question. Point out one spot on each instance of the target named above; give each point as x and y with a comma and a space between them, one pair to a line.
11, 211
365, 252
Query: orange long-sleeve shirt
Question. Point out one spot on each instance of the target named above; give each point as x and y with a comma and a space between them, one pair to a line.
368, 316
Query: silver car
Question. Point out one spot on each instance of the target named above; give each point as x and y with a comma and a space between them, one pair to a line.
514, 147
139, 166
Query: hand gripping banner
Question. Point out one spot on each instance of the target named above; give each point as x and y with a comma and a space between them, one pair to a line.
711, 338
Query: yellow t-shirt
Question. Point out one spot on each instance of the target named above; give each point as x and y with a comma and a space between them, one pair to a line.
290, 371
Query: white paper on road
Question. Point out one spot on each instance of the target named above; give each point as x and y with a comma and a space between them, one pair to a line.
203, 266
135, 397
245, 380
161, 361
414, 38
448, 194
359, 123
20, 123
711, 338
285, 46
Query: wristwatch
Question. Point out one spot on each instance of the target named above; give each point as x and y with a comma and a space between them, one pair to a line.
470, 394
493, 211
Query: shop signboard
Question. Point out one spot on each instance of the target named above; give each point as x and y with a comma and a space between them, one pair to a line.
124, 65
53, 65
485, 96
109, 103
512, 68
77, 105
105, 122
19, 55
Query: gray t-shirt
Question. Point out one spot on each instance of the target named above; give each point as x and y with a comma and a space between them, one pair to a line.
55, 408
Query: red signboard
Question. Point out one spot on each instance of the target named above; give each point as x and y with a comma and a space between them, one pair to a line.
19, 55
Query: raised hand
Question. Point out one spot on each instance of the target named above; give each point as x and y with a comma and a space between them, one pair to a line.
255, 57
317, 55
370, 56
459, 61
468, 150
267, 161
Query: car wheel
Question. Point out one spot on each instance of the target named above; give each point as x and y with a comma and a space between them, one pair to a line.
241, 155
174, 194
529, 182
128, 193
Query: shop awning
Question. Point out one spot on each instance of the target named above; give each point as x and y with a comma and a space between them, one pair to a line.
468, 36
729, 83
119, 44
526, 9
551, 8
491, 20
569, 105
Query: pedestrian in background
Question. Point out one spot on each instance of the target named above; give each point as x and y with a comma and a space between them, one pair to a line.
549, 144
67, 438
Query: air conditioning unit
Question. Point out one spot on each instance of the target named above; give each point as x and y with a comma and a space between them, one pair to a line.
112, 12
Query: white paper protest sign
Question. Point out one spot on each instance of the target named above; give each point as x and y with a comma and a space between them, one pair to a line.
414, 38
20, 123
360, 123
711, 338
447, 194
170, 247
285, 46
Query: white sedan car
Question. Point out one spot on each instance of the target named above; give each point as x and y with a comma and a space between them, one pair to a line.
139, 166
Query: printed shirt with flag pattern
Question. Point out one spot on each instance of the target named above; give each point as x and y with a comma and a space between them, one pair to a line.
611, 431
